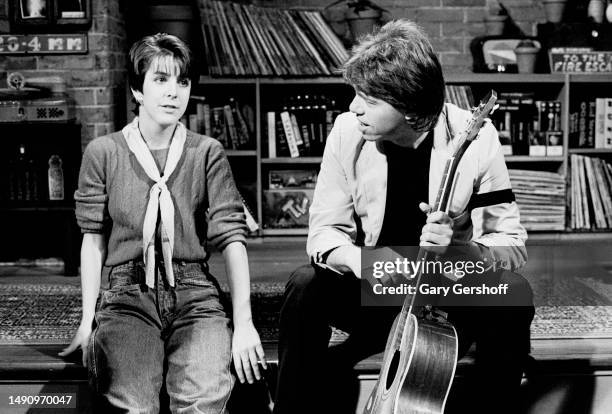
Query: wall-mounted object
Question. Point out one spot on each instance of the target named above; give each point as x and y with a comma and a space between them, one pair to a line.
580, 60
43, 44
49, 15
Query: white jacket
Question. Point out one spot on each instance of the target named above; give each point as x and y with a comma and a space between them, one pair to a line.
351, 191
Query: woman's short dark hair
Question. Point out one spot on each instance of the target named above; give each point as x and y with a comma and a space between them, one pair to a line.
398, 65
159, 46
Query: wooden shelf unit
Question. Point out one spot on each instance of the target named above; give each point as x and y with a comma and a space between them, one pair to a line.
555, 86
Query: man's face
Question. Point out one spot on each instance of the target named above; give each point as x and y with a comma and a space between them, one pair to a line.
377, 119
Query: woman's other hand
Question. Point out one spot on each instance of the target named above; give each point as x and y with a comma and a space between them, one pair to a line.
80, 340
247, 351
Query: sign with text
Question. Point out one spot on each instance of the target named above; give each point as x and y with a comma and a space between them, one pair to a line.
43, 44
579, 60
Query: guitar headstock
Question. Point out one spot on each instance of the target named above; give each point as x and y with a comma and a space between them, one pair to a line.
479, 114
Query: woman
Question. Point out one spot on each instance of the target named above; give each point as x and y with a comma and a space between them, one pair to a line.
160, 192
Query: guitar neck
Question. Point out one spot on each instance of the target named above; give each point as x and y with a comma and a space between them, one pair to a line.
445, 191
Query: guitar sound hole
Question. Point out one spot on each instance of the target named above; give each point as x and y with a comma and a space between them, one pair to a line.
392, 369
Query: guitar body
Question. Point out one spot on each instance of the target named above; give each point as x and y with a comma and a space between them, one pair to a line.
417, 377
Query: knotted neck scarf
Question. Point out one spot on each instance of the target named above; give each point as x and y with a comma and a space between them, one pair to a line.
160, 200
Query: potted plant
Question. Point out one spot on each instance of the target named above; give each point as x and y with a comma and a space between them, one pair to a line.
526, 54
554, 10
362, 16
495, 19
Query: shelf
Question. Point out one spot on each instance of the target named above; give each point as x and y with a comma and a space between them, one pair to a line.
240, 153
266, 90
568, 235
335, 80
223, 81
594, 78
532, 158
510, 78
590, 151
450, 78
37, 208
289, 160
286, 232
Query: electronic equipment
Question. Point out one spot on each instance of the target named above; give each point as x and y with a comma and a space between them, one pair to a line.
41, 99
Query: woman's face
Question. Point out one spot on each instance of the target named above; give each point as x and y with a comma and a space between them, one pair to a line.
165, 94
378, 120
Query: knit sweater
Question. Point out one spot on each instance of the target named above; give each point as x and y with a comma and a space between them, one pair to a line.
113, 193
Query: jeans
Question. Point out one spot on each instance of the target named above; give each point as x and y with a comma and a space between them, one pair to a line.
315, 378
145, 338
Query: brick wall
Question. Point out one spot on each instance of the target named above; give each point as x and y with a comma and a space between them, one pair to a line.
451, 24
95, 80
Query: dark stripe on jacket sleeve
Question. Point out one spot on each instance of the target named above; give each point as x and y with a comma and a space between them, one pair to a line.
490, 199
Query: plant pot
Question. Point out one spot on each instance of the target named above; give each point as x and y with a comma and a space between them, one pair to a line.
495, 24
526, 57
554, 10
363, 22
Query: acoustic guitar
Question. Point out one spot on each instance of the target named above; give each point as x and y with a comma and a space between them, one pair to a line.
421, 351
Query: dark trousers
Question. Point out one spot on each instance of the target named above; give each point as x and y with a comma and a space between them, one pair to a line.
316, 379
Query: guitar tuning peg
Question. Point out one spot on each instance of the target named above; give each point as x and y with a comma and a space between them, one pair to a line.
494, 108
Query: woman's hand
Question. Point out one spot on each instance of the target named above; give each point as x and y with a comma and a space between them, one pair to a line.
80, 340
246, 350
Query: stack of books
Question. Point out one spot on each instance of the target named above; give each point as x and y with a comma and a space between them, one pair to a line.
591, 193
590, 124
227, 123
540, 196
528, 126
301, 126
244, 40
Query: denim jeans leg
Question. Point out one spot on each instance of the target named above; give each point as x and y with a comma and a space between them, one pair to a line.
198, 350
127, 352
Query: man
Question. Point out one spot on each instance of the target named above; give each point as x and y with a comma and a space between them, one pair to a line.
380, 173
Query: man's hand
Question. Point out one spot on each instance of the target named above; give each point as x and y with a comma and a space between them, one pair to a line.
437, 232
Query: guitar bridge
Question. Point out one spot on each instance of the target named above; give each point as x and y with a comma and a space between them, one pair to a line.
431, 313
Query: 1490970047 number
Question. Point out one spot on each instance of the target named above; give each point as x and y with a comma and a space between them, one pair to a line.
43, 400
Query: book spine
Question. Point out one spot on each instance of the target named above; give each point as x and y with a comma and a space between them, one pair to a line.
243, 50
223, 36
307, 44
250, 14
600, 122
296, 130
607, 123
218, 126
583, 124
289, 134
251, 40
240, 63
209, 49
592, 188
590, 139
200, 118
603, 189
231, 126
271, 134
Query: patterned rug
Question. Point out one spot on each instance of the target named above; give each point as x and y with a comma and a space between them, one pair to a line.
50, 313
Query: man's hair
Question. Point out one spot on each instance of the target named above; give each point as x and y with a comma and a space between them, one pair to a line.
166, 49
398, 65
